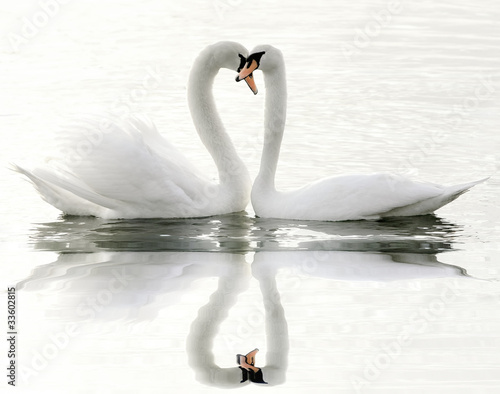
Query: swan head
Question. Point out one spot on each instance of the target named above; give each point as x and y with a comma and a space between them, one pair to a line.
263, 57
224, 54
227, 54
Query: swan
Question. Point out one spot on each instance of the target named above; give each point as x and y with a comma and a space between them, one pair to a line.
348, 197
135, 173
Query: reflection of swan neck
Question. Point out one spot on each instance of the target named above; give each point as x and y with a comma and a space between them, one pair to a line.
274, 125
209, 124
205, 327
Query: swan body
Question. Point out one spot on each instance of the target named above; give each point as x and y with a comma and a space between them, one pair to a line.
351, 197
132, 172
355, 197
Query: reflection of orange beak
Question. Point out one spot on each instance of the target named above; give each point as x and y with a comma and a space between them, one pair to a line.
246, 74
251, 84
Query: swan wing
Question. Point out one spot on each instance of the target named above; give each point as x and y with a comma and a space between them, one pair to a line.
130, 170
62, 198
132, 162
353, 197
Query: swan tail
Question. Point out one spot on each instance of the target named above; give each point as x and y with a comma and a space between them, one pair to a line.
451, 193
63, 194
50, 193
455, 191
432, 204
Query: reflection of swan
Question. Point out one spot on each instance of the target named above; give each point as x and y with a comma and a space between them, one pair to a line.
133, 172
114, 285
204, 328
206, 325
92, 289
141, 283
357, 266
337, 198
98, 290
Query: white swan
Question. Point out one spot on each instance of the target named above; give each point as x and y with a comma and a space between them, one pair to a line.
351, 197
132, 172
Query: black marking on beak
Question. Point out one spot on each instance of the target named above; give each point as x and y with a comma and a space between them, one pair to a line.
255, 56
243, 60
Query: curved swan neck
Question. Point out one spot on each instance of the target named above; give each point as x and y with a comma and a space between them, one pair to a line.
274, 124
208, 123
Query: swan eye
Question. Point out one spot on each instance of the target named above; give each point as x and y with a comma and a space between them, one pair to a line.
243, 60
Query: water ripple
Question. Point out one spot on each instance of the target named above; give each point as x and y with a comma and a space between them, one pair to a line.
241, 233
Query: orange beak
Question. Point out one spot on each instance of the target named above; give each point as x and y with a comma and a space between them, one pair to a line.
251, 84
246, 74
247, 70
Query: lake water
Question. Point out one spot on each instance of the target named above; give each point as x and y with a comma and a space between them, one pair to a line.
398, 306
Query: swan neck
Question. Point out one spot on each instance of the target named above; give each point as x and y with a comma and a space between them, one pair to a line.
209, 124
274, 125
